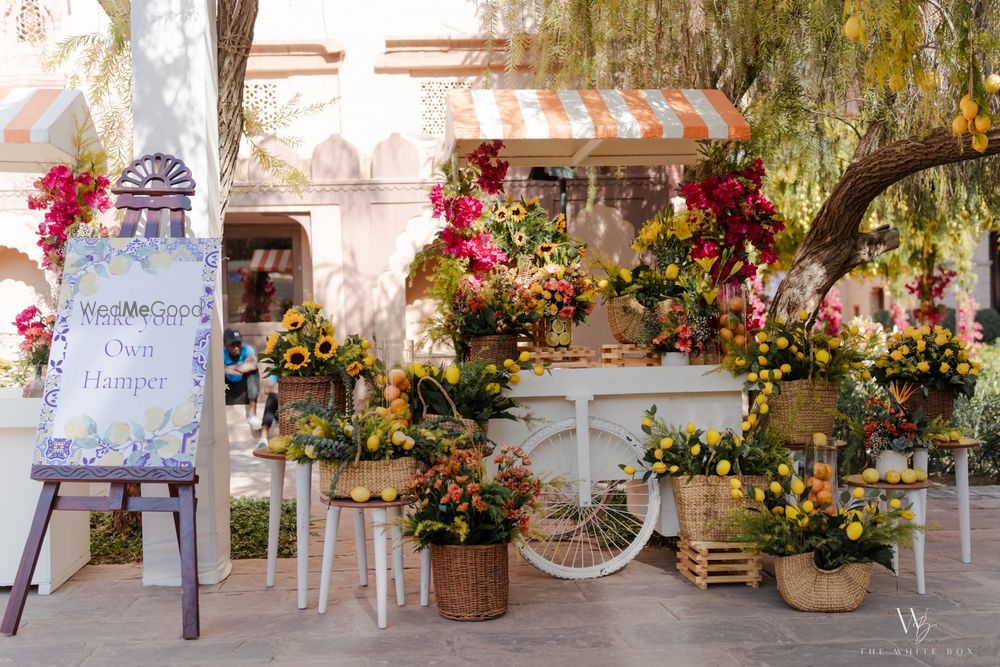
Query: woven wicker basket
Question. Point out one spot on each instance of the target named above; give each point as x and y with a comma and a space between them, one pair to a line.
315, 389
704, 505
373, 475
455, 422
802, 408
630, 321
807, 588
470, 582
493, 349
937, 403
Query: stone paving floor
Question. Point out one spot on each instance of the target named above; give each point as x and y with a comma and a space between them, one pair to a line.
644, 615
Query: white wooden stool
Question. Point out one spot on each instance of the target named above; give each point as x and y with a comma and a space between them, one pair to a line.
382, 513
960, 452
916, 495
276, 462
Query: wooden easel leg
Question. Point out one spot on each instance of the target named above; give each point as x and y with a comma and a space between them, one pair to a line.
189, 562
29, 559
172, 489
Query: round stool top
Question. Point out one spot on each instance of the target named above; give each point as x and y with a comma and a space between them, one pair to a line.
961, 443
347, 503
265, 453
855, 480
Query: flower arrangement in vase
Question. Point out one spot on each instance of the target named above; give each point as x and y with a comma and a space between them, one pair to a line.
35, 331
564, 296
891, 433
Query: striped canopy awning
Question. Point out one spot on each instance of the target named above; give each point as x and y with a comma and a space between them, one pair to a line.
40, 127
271, 260
551, 128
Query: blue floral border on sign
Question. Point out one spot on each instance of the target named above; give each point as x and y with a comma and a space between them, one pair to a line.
168, 436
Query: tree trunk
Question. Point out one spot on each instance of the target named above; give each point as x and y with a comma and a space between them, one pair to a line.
235, 23
834, 243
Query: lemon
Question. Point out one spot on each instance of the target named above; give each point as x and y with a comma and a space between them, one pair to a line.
768, 389
783, 470
778, 373
409, 443
628, 470
803, 315
674, 469
736, 493
452, 375
751, 377
565, 338
763, 409
389, 494
782, 343
659, 467
712, 437
858, 492
980, 142
745, 426
895, 504
992, 84
722, 468
691, 428
892, 476
696, 450
758, 495
515, 378
791, 511
763, 348
775, 488
822, 357
538, 370
658, 454
983, 123
734, 483
779, 510
908, 476
360, 494
373, 443
666, 443
765, 374
869, 475
921, 474
969, 107
761, 337
808, 506
625, 275
854, 29
524, 357
552, 339
398, 438
647, 422
907, 514
854, 531
797, 486
672, 271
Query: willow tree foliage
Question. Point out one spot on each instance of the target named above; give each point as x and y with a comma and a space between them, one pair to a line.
850, 103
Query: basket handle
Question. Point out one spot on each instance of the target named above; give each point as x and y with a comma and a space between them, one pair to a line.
454, 409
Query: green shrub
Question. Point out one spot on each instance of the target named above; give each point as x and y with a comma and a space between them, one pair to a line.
248, 526
989, 319
948, 321
884, 318
979, 417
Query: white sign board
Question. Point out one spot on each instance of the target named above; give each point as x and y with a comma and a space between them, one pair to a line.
129, 353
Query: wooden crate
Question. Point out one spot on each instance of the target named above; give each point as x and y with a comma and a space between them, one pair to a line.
705, 563
629, 355
575, 356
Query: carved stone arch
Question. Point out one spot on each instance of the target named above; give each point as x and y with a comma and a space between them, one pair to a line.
335, 159
402, 157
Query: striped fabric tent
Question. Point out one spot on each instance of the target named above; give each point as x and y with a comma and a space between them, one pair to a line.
40, 127
271, 260
550, 128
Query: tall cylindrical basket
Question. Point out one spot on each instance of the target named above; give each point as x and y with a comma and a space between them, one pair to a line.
937, 403
704, 504
315, 389
495, 349
802, 408
471, 583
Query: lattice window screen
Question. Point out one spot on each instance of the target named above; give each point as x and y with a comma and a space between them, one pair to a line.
262, 100
434, 103
30, 22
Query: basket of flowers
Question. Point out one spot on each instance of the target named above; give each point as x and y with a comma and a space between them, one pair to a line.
563, 293
934, 360
892, 431
489, 312
824, 553
632, 296
794, 372
467, 520
708, 471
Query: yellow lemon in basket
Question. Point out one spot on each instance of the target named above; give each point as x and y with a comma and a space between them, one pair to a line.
745, 426
659, 467
735, 483
797, 486
854, 531
722, 468
858, 492
389, 494
783, 470
524, 357
398, 438
785, 369
666, 443
373, 443
778, 373
908, 476
895, 503
808, 507
647, 422
921, 474
892, 476
758, 495
763, 409
408, 443
869, 475
751, 377
907, 514
782, 343
628, 470
696, 450
658, 454
775, 488
538, 370
736, 493
452, 375
691, 428
712, 437
674, 469
360, 494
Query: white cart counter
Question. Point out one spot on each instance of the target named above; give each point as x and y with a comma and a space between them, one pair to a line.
67, 543
621, 395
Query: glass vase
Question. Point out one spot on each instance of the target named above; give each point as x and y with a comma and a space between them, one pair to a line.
731, 310
821, 475
558, 332
33, 388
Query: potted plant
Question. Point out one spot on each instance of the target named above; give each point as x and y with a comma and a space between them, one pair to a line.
35, 331
794, 371
467, 520
891, 431
488, 313
824, 554
563, 293
675, 338
310, 362
708, 471
936, 361
368, 452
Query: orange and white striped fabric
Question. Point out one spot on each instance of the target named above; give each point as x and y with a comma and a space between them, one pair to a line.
669, 113
271, 260
681, 115
41, 126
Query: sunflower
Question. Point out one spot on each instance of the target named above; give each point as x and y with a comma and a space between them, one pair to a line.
531, 202
270, 343
501, 214
520, 238
296, 358
325, 347
561, 222
354, 368
312, 305
292, 320
544, 249
327, 329
517, 212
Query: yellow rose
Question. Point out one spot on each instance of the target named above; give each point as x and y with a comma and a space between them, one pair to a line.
944, 367
923, 366
962, 368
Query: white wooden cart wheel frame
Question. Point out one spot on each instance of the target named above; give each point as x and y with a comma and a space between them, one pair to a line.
554, 455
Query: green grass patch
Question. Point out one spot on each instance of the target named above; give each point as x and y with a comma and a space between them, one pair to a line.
248, 527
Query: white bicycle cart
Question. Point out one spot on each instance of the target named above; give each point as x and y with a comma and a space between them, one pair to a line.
593, 518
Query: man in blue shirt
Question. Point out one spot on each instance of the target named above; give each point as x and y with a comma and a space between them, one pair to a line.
242, 378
